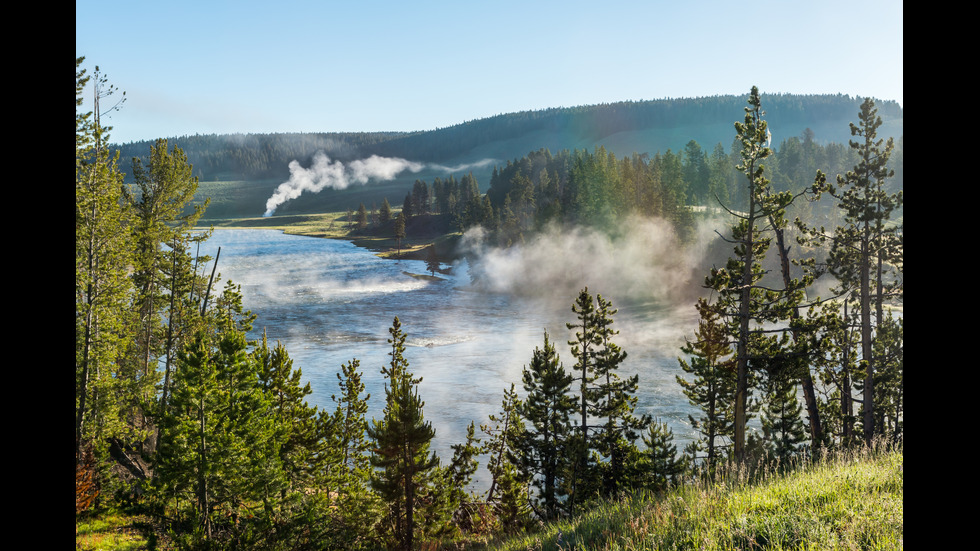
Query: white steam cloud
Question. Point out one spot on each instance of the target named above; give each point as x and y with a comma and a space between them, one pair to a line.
325, 173
643, 259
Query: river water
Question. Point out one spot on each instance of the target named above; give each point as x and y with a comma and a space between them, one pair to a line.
329, 302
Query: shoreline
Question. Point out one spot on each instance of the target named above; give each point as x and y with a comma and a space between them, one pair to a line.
331, 226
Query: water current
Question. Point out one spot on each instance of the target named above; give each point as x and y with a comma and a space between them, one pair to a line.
329, 302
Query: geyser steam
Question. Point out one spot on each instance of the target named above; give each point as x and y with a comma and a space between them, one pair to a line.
324, 173
641, 259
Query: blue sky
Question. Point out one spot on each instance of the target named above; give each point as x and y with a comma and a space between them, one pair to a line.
217, 66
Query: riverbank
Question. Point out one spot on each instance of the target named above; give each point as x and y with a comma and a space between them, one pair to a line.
423, 233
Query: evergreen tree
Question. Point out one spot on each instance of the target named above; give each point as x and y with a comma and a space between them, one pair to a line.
300, 430
403, 464
660, 465
605, 397
743, 301
353, 508
889, 385
431, 259
837, 364
697, 173
458, 476
163, 188
385, 213
350, 428
218, 446
547, 409
361, 218
583, 349
508, 484
183, 312
614, 402
713, 386
400, 230
420, 198
866, 253
782, 425
408, 206
103, 258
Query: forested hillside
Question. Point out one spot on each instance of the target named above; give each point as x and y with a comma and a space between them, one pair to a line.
250, 166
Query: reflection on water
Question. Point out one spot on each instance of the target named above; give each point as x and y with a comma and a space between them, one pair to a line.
329, 302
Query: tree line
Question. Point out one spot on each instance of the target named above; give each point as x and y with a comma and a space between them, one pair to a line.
597, 188
179, 412
267, 156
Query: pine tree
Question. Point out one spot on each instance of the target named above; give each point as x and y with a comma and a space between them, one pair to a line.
889, 386
661, 466
408, 206
866, 253
614, 402
183, 314
103, 258
350, 428
218, 446
583, 349
743, 301
404, 466
400, 230
837, 364
713, 386
782, 424
300, 430
508, 485
361, 219
547, 409
385, 213
431, 260
458, 476
163, 187
353, 509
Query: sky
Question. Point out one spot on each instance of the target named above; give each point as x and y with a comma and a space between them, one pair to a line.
221, 67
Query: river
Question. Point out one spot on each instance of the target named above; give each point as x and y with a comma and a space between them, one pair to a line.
329, 302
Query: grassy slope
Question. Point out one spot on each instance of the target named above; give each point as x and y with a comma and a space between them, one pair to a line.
850, 502
853, 501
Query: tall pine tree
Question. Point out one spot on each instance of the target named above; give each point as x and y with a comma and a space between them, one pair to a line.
614, 403
404, 465
866, 251
712, 388
547, 409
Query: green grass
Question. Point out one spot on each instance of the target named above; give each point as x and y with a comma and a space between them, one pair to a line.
330, 224
114, 531
333, 225
853, 501
849, 501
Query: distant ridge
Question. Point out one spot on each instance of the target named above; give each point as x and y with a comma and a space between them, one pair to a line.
623, 128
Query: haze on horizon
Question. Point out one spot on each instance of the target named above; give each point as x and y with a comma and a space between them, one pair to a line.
302, 66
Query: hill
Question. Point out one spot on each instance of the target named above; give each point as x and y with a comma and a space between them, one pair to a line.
240, 172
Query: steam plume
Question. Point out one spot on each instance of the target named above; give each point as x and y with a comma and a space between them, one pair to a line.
324, 173
641, 259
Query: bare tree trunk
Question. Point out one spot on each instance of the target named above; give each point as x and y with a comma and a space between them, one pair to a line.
806, 379
866, 342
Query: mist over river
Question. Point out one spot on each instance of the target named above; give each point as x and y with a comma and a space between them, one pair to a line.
329, 302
